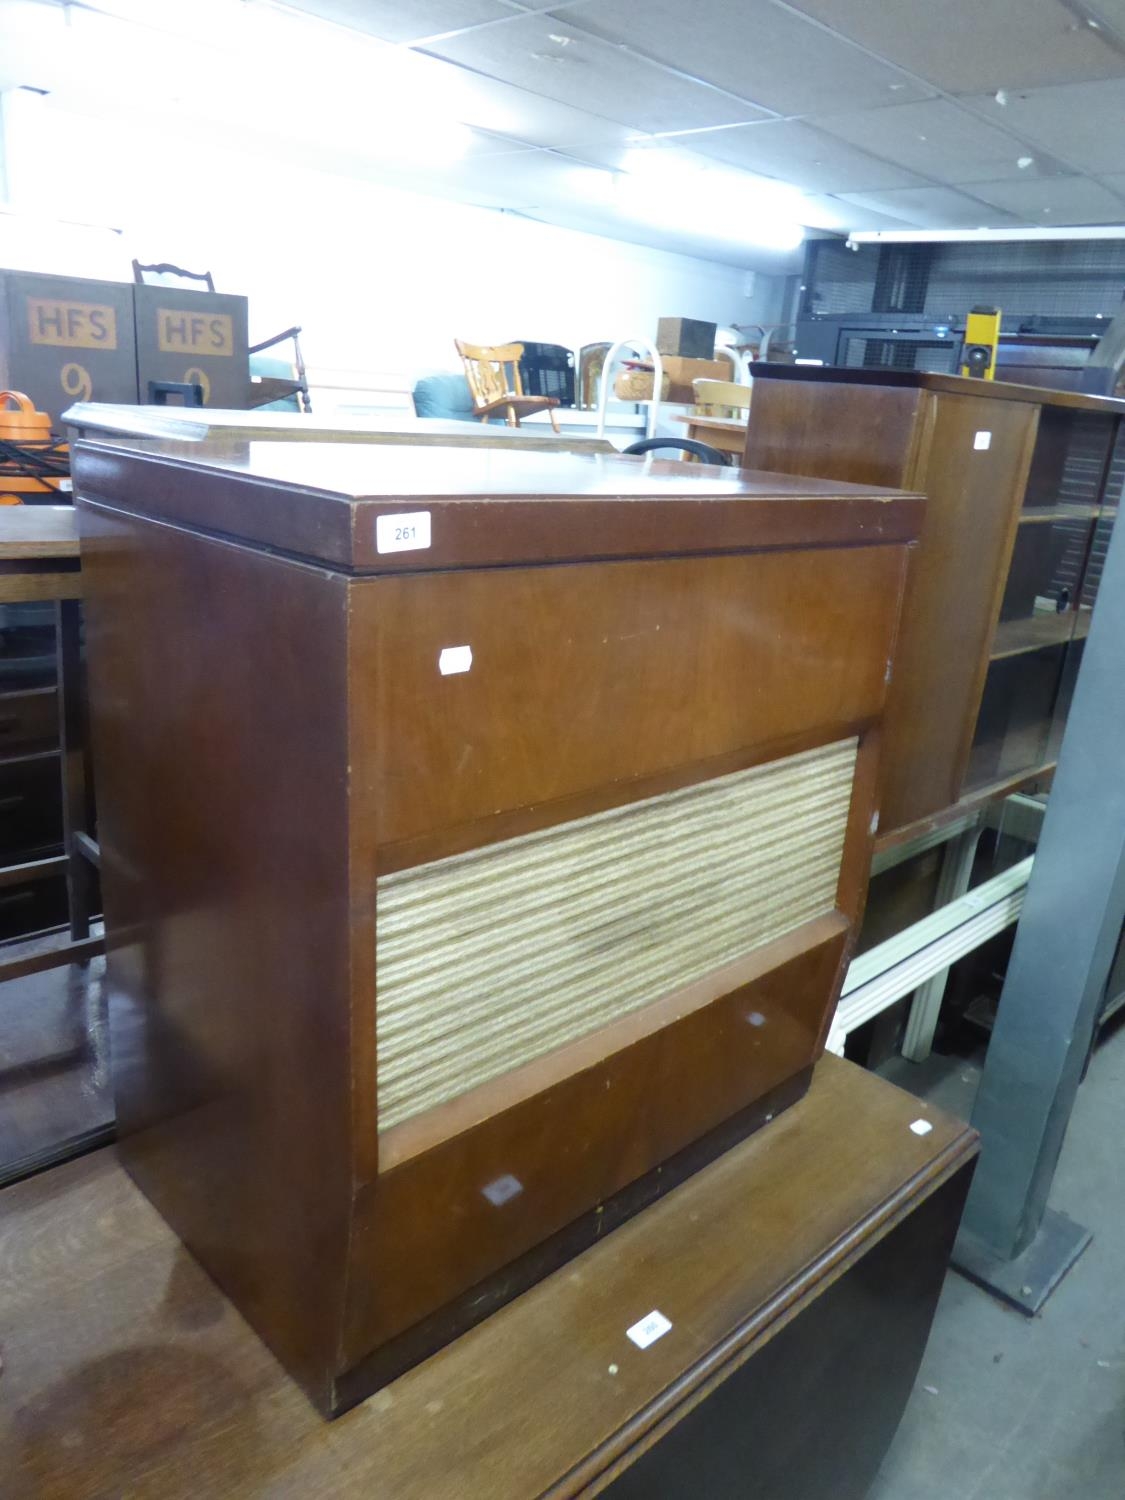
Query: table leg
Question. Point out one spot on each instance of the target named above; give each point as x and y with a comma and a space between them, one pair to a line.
77, 786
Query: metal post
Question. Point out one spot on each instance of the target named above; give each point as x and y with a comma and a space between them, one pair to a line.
1010, 1242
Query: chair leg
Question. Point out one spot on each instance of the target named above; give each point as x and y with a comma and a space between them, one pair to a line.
554, 419
513, 419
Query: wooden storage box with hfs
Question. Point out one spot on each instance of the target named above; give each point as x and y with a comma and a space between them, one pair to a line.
482, 834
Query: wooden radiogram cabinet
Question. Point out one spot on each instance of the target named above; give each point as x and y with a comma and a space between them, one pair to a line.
482, 835
1022, 488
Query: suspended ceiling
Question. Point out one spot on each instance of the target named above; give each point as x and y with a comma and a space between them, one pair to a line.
882, 113
917, 113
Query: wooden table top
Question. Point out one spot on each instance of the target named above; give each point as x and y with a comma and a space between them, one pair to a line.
126, 1372
713, 424
205, 424
726, 433
37, 531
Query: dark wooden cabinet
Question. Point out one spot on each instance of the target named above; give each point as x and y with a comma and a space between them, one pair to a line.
797, 1278
1023, 486
482, 839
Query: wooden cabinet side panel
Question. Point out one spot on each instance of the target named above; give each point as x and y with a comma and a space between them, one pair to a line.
955, 582
862, 434
218, 699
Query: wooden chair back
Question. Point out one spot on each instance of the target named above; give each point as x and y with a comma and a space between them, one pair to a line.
721, 397
493, 371
164, 273
591, 362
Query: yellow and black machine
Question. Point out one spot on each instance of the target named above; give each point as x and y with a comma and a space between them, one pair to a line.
982, 339
34, 466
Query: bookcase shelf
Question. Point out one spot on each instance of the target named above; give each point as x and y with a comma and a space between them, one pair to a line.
1033, 515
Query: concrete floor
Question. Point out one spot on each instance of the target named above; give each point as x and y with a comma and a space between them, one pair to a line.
1010, 1408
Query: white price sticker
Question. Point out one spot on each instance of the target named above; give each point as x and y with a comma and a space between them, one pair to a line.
502, 1190
409, 532
648, 1330
982, 440
454, 659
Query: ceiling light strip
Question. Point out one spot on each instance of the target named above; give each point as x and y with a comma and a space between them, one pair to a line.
953, 236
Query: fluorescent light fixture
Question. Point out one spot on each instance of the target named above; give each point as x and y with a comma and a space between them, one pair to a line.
955, 236
422, 143
200, 18
234, 62
592, 185
674, 191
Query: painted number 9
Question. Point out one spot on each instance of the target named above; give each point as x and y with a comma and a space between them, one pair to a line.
76, 382
200, 378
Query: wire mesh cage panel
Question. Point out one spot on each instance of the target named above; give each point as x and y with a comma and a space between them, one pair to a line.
1061, 279
903, 353
1029, 279
548, 370
839, 280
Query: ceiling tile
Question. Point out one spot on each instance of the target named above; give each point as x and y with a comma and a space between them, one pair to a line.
932, 208
937, 139
1116, 182
976, 46
531, 179
1110, 15
404, 20
753, 48
1080, 123
799, 154
824, 211
527, 117
587, 73
1059, 200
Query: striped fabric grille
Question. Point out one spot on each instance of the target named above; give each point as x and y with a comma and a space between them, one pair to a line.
489, 959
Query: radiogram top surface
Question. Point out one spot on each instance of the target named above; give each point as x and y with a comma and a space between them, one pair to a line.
371, 509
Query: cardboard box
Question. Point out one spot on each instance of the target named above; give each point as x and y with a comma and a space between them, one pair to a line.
681, 373
690, 338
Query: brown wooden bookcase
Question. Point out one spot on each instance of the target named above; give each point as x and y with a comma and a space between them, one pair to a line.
1022, 486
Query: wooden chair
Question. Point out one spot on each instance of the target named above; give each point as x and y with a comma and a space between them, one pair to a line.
493, 374
164, 273
591, 361
720, 398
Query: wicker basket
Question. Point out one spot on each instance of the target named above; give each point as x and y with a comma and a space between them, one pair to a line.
636, 385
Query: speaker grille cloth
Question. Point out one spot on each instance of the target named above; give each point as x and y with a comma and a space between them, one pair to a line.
489, 959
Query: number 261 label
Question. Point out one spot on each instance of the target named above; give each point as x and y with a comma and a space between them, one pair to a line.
403, 533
